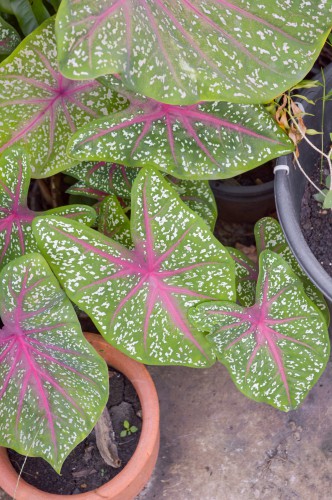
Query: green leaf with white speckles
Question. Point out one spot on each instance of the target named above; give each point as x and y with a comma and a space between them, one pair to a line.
41, 108
204, 141
80, 189
246, 274
139, 298
198, 196
269, 235
113, 222
106, 177
100, 178
276, 349
186, 51
15, 217
9, 38
53, 385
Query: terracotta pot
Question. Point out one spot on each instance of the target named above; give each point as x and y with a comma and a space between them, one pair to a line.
131, 480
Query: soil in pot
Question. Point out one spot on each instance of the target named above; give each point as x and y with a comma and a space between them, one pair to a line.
316, 223
84, 469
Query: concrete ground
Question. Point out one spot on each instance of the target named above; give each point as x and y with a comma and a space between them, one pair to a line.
218, 445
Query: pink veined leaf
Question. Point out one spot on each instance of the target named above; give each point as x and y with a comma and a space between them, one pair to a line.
53, 385
276, 349
15, 217
113, 221
109, 178
98, 179
139, 298
269, 235
81, 189
42, 108
202, 141
246, 272
9, 38
192, 50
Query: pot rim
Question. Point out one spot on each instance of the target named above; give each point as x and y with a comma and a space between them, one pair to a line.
287, 212
131, 480
247, 191
294, 236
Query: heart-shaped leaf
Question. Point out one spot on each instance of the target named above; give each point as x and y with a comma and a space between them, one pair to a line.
103, 178
191, 50
138, 298
246, 275
203, 141
40, 107
269, 235
113, 222
275, 350
198, 196
53, 385
106, 177
15, 217
81, 189
9, 38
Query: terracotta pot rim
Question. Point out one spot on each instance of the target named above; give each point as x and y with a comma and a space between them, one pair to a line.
131, 480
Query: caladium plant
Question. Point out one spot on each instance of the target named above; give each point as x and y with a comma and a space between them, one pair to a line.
28, 13
98, 179
191, 50
276, 349
105, 177
138, 298
113, 221
42, 108
15, 216
269, 235
246, 272
208, 140
53, 384
9, 38
184, 105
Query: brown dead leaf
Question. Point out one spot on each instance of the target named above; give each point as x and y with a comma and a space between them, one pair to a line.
105, 440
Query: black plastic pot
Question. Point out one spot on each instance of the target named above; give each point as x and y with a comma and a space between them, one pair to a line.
289, 188
243, 203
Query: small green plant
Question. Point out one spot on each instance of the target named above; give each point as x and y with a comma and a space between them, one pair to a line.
128, 429
326, 197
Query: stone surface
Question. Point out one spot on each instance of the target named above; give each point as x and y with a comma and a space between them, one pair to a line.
218, 445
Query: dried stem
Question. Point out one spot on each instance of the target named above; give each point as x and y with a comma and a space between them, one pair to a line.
327, 156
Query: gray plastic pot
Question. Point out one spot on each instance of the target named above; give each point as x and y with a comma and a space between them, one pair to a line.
289, 187
243, 203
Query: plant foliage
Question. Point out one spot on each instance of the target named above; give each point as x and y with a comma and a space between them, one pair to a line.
54, 385
139, 298
15, 217
192, 50
276, 349
42, 108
